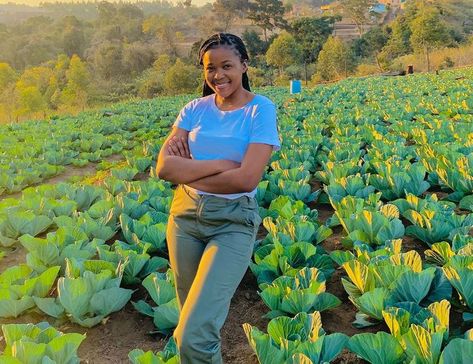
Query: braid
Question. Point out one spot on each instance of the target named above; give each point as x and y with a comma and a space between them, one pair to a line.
224, 39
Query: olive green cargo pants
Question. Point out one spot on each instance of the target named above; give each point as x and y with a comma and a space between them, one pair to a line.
210, 241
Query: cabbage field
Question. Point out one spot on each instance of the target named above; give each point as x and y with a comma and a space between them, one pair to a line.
365, 254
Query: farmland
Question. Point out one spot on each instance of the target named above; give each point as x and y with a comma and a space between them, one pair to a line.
366, 240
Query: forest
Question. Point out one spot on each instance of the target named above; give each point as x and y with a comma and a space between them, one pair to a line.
64, 57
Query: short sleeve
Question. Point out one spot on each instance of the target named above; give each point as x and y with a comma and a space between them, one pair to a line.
264, 129
184, 119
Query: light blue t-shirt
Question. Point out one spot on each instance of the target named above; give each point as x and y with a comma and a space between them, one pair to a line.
217, 134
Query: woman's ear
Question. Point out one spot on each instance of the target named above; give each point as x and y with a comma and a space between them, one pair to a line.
245, 66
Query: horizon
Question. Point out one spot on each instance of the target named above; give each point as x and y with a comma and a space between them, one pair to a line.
37, 3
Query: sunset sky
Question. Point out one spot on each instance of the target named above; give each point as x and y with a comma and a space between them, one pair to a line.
37, 2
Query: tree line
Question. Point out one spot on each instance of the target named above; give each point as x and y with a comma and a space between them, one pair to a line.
50, 66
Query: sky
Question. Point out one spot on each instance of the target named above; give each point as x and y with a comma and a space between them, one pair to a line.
37, 2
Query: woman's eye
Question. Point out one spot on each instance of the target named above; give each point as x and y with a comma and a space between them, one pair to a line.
226, 67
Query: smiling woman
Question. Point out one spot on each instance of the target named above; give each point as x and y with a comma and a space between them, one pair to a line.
217, 152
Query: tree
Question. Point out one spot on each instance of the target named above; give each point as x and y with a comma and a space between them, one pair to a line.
181, 78
78, 79
267, 14
34, 50
137, 57
311, 34
7, 102
73, 38
7, 86
165, 29
226, 11
7, 75
371, 44
151, 81
30, 100
398, 43
130, 17
60, 68
107, 59
254, 44
185, 3
107, 13
37, 77
428, 32
335, 60
358, 11
283, 52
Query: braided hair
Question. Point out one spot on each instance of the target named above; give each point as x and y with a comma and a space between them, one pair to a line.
224, 39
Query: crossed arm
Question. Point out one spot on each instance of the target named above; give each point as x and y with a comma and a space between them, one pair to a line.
214, 176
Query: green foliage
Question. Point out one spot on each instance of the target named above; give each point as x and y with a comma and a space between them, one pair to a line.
311, 34
274, 260
379, 348
7, 75
20, 286
59, 245
398, 43
283, 51
387, 278
89, 292
254, 44
181, 78
137, 262
295, 340
18, 222
357, 11
334, 60
40, 343
78, 79
305, 292
267, 14
428, 31
163, 292
169, 355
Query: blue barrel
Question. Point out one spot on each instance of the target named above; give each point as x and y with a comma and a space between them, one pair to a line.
296, 86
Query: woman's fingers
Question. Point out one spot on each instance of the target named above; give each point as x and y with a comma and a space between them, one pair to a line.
180, 147
172, 148
186, 147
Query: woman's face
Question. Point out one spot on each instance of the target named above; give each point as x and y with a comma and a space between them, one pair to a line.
223, 71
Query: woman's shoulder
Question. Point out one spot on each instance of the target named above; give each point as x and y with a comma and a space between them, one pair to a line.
261, 100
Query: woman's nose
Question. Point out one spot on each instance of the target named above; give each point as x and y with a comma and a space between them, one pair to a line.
218, 74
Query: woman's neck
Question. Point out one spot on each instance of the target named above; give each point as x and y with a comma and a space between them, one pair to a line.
234, 101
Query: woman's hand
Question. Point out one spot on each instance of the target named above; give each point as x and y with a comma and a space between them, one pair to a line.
241, 179
179, 147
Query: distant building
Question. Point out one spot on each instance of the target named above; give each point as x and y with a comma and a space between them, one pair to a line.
379, 8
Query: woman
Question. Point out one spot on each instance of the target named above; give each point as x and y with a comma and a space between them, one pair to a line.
217, 153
